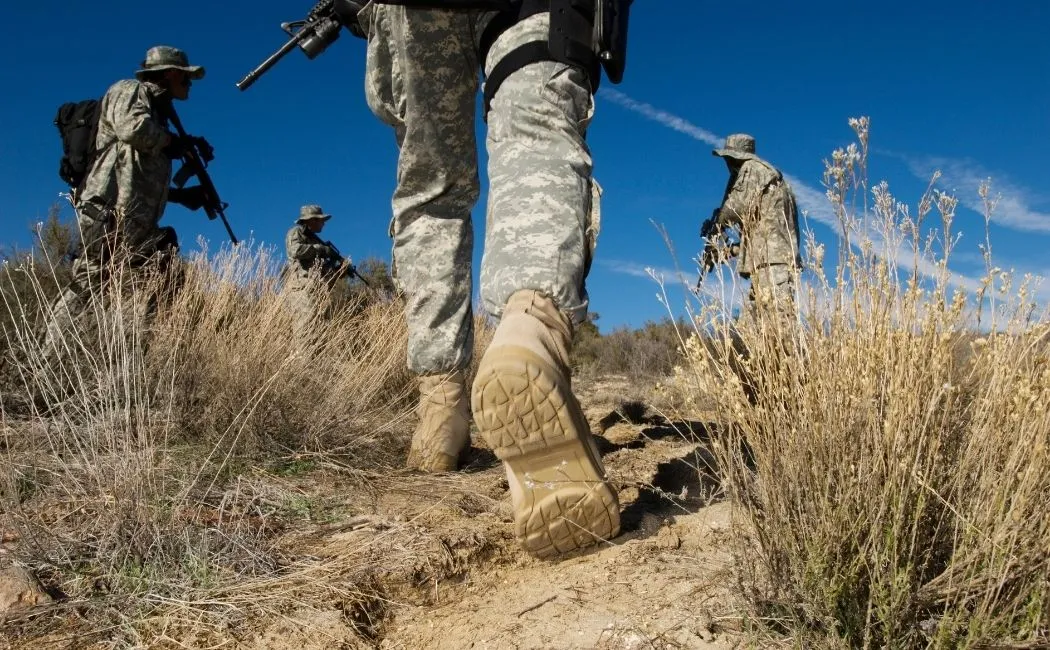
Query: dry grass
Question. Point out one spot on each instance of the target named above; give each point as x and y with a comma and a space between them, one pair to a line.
137, 470
891, 453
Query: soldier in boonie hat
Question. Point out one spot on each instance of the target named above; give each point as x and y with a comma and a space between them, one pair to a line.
308, 254
738, 146
760, 204
165, 57
312, 212
130, 177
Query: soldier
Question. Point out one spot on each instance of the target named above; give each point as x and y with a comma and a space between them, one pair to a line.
759, 204
122, 198
422, 79
311, 260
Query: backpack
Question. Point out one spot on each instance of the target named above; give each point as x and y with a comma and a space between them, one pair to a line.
77, 124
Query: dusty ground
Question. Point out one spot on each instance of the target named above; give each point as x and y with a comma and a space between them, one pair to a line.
444, 571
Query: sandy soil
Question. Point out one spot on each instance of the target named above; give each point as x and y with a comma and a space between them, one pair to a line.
443, 570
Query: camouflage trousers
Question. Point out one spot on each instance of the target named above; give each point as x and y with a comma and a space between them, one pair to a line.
422, 79
772, 292
310, 301
128, 256
770, 315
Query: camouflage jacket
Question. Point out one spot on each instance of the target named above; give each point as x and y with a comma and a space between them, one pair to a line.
306, 250
760, 203
130, 173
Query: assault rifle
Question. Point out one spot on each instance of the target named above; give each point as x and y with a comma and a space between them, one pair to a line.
717, 247
313, 34
197, 153
345, 268
323, 25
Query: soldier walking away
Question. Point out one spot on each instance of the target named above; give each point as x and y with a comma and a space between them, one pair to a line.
120, 201
761, 206
422, 79
314, 266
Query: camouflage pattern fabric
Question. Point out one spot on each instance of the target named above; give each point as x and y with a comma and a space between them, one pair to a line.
306, 250
105, 265
422, 79
304, 298
760, 203
121, 201
130, 175
308, 259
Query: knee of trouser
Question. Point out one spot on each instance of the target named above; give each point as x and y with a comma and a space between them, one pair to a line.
773, 277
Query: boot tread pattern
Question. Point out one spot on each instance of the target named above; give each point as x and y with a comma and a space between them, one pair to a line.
535, 425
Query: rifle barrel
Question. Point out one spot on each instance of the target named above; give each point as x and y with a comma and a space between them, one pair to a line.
253, 76
229, 230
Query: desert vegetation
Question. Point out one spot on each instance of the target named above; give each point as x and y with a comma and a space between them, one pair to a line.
135, 456
887, 440
883, 447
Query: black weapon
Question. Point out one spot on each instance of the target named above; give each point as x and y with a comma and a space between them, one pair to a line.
717, 247
197, 153
611, 20
346, 269
312, 35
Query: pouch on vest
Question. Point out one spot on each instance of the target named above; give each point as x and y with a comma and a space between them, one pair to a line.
77, 124
611, 22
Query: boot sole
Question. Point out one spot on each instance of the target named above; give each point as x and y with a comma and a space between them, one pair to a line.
529, 416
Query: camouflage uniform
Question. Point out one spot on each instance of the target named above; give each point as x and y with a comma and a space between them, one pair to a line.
760, 204
123, 196
311, 261
422, 79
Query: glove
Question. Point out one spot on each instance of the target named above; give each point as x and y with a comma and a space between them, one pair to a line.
708, 259
204, 148
193, 198
717, 252
175, 149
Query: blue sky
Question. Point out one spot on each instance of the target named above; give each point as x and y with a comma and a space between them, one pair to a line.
957, 86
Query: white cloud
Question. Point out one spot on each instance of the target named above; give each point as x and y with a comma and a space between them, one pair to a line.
963, 178
637, 270
813, 203
663, 117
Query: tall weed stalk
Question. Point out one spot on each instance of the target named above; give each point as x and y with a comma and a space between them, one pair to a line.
888, 438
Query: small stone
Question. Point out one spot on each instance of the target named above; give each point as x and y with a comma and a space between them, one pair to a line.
20, 590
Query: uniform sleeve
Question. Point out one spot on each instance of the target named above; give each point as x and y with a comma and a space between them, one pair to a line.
743, 193
131, 116
301, 248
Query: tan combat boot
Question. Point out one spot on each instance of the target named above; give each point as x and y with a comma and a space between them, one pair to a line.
524, 407
444, 424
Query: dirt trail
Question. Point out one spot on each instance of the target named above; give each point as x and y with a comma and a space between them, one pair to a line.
663, 583
404, 560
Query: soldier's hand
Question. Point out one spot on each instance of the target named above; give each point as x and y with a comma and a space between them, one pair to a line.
176, 147
192, 198
207, 152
